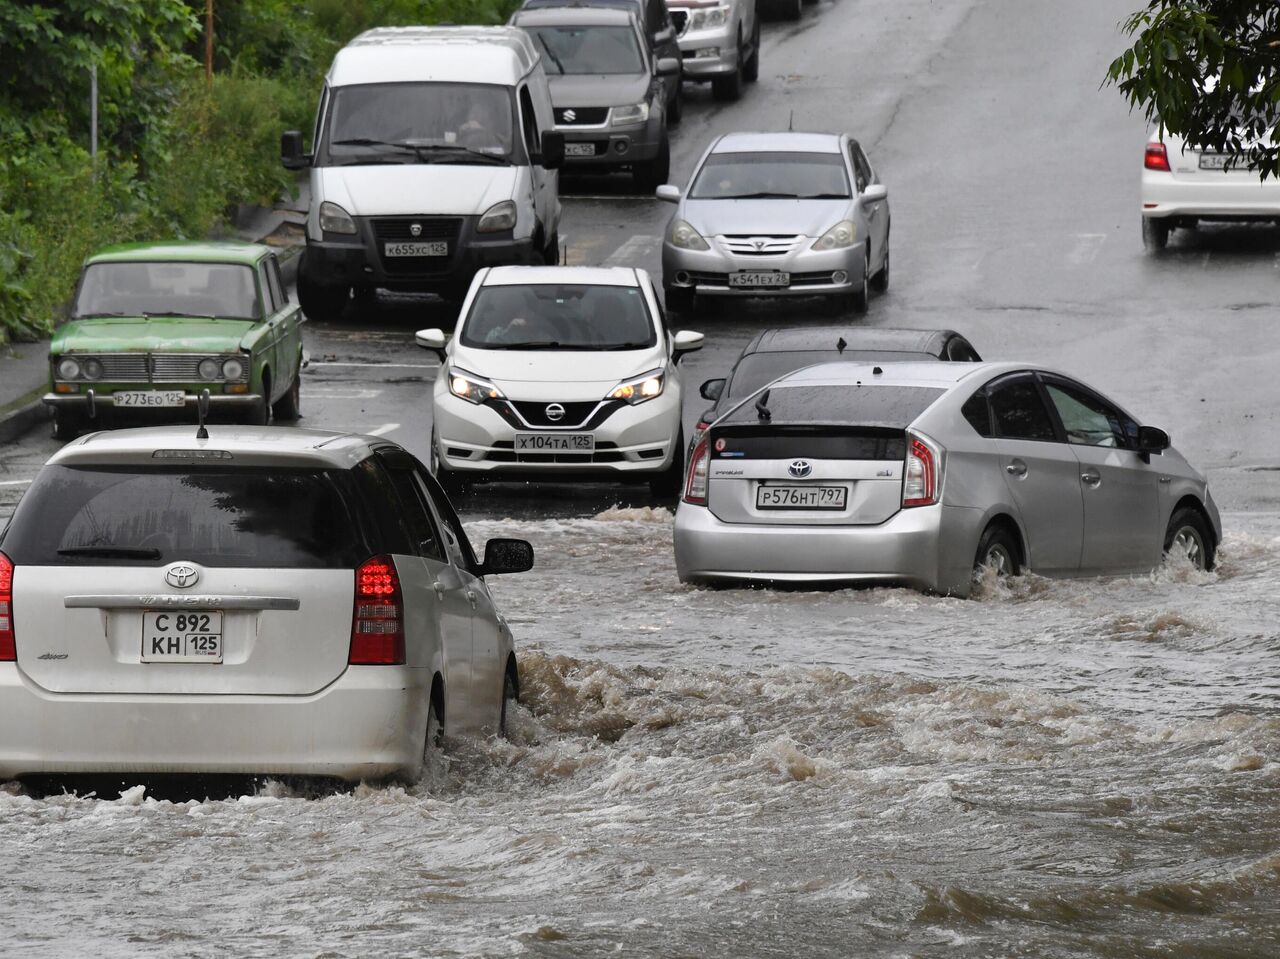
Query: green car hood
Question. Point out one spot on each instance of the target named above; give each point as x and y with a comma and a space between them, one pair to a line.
132, 334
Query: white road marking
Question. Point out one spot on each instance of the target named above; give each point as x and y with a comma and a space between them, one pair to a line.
384, 429
341, 393
14, 482
634, 250
407, 366
1086, 248
635, 198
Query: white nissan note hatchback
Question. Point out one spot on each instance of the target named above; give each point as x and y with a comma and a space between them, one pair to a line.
289, 602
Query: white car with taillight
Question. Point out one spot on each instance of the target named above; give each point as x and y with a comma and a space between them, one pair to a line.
927, 473
265, 602
557, 373
1182, 186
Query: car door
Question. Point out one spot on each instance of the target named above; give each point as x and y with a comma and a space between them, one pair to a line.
1121, 493
1041, 472
877, 213
289, 353
269, 345
545, 182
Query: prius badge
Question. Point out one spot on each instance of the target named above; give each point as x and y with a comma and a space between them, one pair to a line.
800, 469
181, 575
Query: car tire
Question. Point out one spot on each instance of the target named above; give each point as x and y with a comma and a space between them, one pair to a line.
650, 175
665, 486
289, 406
675, 111
1155, 234
729, 87
510, 694
260, 412
66, 425
790, 9
997, 547
432, 743
321, 302
880, 282
1188, 535
751, 69
679, 300
454, 486
860, 299
551, 252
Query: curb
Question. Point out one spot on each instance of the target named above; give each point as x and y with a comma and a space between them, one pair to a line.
24, 415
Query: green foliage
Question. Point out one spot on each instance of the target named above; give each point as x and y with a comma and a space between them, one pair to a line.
1208, 71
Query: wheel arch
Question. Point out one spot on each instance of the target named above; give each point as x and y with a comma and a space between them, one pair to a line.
1004, 519
437, 697
1193, 502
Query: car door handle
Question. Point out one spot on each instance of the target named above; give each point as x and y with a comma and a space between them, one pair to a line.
439, 588
1016, 468
1090, 478
471, 597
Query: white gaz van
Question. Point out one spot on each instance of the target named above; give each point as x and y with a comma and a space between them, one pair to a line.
433, 155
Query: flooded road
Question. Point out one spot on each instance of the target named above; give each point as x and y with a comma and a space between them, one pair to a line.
1056, 769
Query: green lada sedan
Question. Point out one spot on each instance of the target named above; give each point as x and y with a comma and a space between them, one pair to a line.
156, 324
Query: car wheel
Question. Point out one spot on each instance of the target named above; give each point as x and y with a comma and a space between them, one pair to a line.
321, 302
510, 694
729, 86
790, 9
997, 549
678, 299
433, 743
751, 70
1188, 535
648, 176
665, 487
861, 298
551, 252
880, 282
260, 412
289, 406
675, 111
1155, 233
454, 486
66, 425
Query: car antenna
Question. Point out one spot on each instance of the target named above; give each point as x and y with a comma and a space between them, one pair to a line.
762, 406
876, 371
202, 407
840, 345
791, 122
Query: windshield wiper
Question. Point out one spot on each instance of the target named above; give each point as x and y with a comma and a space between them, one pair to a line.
194, 316
535, 345
760, 196
459, 148
627, 346
554, 59
824, 196
85, 316
121, 552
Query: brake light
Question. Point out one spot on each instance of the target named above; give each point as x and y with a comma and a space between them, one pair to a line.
695, 487
8, 646
920, 487
1157, 157
377, 626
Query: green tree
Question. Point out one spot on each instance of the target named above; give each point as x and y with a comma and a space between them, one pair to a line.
1209, 72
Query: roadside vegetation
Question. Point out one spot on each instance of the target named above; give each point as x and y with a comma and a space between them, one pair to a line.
176, 153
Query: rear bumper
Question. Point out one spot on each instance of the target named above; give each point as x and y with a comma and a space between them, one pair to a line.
369, 724
1163, 195
929, 548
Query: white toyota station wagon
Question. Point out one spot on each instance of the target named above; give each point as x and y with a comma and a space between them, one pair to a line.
264, 602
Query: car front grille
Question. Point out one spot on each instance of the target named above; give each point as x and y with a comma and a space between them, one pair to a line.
160, 367
535, 414
581, 116
430, 229
761, 245
123, 367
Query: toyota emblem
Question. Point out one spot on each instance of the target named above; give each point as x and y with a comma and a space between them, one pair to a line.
758, 244
555, 412
800, 469
181, 575
415, 229
570, 116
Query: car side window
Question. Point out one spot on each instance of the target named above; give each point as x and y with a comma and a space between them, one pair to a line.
1019, 411
1088, 421
863, 163
277, 282
378, 499
269, 302
455, 536
529, 123
415, 514
978, 413
859, 174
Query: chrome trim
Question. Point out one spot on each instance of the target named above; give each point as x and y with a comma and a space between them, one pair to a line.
142, 601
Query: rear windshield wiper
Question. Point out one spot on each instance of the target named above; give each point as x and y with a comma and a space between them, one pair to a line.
121, 552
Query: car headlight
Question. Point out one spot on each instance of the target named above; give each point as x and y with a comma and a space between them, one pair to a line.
499, 217
92, 370
639, 389
710, 17
68, 369
209, 368
686, 237
473, 389
635, 113
839, 237
232, 369
334, 219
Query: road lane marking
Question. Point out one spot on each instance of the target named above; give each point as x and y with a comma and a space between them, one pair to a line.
1086, 248
634, 250
384, 429
340, 393
14, 482
407, 366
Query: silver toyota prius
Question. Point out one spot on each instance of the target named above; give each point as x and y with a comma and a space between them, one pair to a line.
778, 214
925, 473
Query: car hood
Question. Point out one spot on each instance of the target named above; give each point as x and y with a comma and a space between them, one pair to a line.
568, 373
417, 188
748, 217
135, 334
611, 90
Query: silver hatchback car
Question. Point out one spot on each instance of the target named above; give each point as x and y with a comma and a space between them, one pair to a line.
924, 473
778, 214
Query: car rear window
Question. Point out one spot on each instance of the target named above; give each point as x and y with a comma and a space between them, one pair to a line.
757, 369
228, 517
890, 407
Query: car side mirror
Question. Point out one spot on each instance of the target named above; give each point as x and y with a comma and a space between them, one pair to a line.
1152, 440
291, 152
668, 66
432, 340
668, 192
686, 341
874, 193
552, 155
506, 556
711, 389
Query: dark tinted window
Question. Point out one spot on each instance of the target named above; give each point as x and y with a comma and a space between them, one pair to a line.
225, 516
1019, 411
381, 502
278, 292
415, 516
976, 412
882, 406
444, 509
826, 442
960, 351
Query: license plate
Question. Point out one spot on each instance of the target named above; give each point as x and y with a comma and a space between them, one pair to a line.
148, 398
186, 636
416, 249
579, 149
555, 442
1215, 161
801, 497
771, 278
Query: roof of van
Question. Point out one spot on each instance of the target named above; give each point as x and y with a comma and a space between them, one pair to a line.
573, 17
498, 55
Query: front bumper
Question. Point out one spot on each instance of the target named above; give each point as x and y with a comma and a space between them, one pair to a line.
929, 548
1214, 197
614, 146
91, 400
706, 272
722, 39
638, 440
368, 724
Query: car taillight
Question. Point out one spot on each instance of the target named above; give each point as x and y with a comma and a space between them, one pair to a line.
1157, 157
377, 627
8, 645
920, 487
695, 486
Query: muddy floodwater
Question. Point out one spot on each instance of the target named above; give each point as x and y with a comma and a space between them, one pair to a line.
1055, 769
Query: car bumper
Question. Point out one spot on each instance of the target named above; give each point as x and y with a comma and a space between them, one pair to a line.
930, 548
1163, 195
698, 60
614, 146
636, 440
707, 272
370, 723
90, 401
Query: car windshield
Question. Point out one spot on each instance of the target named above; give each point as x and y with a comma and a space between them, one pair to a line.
757, 369
237, 517
788, 176
419, 123
593, 50
174, 289
559, 316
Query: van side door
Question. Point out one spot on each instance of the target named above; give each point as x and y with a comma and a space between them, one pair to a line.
535, 117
